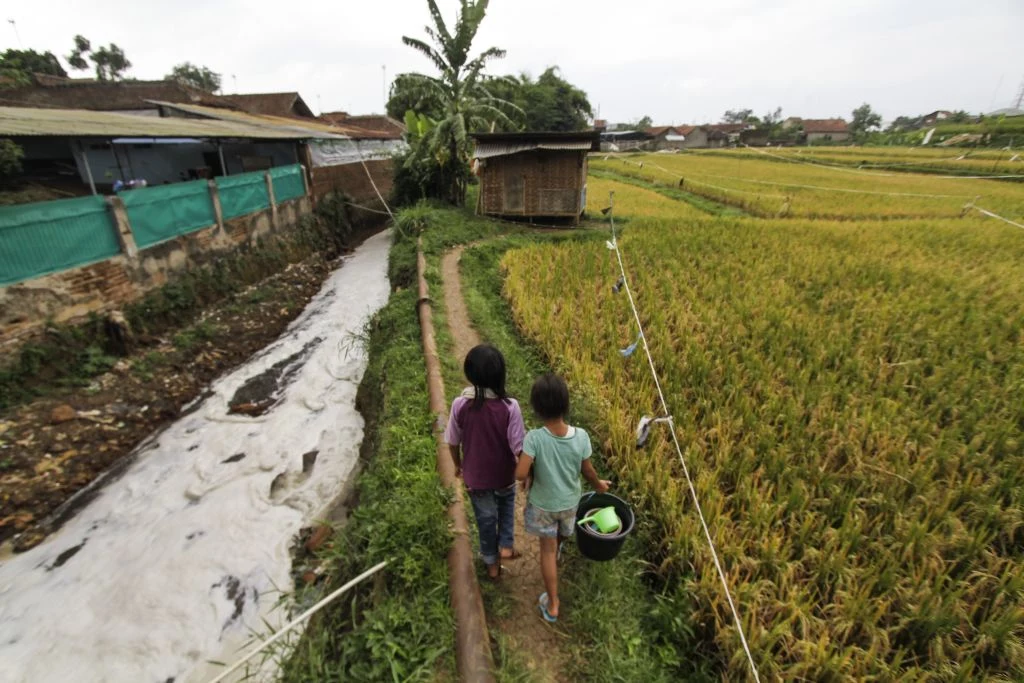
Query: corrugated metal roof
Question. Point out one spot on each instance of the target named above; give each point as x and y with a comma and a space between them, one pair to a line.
487, 150
311, 128
24, 121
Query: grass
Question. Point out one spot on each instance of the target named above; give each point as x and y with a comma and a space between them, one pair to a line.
400, 627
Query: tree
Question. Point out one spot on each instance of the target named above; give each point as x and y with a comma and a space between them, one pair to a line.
460, 89
110, 62
549, 103
19, 65
864, 120
772, 120
199, 77
737, 116
406, 95
10, 160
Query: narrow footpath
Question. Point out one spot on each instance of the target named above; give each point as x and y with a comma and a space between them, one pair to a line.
539, 645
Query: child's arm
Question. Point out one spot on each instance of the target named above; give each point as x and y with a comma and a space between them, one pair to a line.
456, 452
590, 474
523, 466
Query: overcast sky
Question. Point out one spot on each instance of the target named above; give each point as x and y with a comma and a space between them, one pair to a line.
677, 61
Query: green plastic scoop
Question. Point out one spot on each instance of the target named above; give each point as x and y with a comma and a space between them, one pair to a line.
605, 519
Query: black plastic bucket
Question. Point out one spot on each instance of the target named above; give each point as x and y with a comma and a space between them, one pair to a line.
598, 546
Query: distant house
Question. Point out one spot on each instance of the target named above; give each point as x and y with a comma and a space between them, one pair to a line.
369, 126
825, 130
624, 140
600, 124
665, 137
935, 117
731, 131
270, 104
533, 175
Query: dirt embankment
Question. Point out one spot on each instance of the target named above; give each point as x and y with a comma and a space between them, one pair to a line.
54, 447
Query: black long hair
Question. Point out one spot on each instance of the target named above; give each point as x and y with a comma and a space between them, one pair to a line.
485, 369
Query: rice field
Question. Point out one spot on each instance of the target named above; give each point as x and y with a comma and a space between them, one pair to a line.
927, 159
775, 188
850, 400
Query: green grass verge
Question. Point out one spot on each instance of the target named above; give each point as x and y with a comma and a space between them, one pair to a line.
400, 627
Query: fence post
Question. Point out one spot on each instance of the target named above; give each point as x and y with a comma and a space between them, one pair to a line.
270, 197
122, 227
218, 212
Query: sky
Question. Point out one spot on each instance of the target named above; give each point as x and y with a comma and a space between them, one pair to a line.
677, 62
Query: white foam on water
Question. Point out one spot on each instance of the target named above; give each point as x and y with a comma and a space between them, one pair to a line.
183, 555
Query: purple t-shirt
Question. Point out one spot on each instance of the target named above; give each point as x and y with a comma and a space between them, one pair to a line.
491, 438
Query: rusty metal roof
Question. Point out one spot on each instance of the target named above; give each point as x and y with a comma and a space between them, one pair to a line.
311, 127
490, 145
24, 121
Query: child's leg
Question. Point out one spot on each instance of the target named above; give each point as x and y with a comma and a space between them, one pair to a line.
485, 509
549, 570
506, 504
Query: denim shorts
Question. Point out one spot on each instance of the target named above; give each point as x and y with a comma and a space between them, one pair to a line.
549, 524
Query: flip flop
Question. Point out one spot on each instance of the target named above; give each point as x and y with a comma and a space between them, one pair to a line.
514, 556
542, 604
497, 576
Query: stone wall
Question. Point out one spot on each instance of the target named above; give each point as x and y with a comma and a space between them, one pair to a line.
63, 297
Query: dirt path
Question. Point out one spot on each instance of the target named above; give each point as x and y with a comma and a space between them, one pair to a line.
539, 645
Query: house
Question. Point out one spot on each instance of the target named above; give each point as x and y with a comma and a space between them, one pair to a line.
935, 117
825, 130
82, 151
269, 104
623, 140
135, 97
533, 175
369, 126
723, 134
665, 137
129, 97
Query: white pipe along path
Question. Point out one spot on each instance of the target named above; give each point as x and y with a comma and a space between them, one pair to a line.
175, 563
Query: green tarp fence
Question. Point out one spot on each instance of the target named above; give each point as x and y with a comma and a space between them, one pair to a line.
161, 213
242, 194
288, 183
46, 237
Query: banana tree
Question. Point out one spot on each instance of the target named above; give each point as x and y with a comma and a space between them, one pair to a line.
460, 88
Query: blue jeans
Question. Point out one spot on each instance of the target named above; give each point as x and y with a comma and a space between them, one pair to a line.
495, 512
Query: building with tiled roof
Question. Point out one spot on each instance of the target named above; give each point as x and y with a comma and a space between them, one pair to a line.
270, 104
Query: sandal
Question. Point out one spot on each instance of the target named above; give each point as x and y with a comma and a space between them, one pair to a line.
542, 604
494, 577
514, 556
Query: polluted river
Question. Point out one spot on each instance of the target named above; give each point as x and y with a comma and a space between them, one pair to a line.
181, 555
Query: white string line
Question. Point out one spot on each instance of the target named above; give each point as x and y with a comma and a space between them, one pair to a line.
370, 176
995, 215
366, 208
299, 619
679, 450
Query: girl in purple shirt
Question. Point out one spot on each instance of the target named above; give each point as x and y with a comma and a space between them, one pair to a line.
485, 434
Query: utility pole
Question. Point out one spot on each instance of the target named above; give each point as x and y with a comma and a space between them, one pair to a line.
234, 79
17, 35
1020, 95
384, 86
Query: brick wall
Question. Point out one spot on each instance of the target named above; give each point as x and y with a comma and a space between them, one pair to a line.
353, 181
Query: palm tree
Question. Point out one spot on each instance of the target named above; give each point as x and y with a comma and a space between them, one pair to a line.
459, 90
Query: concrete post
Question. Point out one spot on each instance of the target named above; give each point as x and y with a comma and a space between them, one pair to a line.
218, 212
123, 227
270, 197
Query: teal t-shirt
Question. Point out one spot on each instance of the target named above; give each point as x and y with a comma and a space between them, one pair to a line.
556, 467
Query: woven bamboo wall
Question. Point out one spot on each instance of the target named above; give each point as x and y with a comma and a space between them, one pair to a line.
538, 183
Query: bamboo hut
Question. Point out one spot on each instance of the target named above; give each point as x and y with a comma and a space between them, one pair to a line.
533, 175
